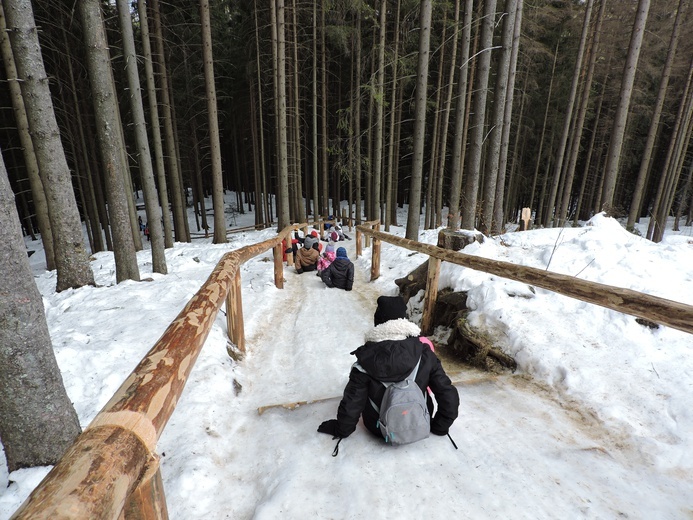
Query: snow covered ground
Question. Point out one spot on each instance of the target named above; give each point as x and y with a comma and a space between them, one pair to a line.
595, 423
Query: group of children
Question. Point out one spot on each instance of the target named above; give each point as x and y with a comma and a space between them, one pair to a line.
332, 266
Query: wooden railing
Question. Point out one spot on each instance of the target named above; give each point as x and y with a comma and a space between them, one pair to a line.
659, 310
112, 470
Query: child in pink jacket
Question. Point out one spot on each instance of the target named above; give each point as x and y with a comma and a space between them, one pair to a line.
327, 258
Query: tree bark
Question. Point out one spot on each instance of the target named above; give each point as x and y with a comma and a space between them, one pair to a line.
473, 179
460, 111
155, 126
379, 93
109, 138
562, 208
500, 199
440, 175
37, 191
179, 219
646, 161
492, 175
413, 216
37, 420
283, 162
72, 262
619, 129
144, 157
213, 121
560, 154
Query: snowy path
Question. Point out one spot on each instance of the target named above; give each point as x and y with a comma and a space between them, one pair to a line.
275, 465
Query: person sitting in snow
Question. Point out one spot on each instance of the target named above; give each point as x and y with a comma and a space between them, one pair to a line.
339, 273
307, 256
327, 258
340, 233
391, 351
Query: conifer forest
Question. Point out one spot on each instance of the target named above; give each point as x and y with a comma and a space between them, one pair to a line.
464, 111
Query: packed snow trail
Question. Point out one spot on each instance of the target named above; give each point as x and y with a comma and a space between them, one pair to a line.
276, 465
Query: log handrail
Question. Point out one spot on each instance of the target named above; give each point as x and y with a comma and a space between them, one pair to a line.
112, 471
112, 468
671, 313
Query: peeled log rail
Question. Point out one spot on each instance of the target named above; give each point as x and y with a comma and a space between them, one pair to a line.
653, 308
114, 456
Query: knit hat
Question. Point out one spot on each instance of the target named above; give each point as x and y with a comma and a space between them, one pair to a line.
389, 308
341, 253
330, 248
308, 242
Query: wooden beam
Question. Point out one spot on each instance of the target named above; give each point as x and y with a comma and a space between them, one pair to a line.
234, 313
104, 464
277, 255
375, 262
431, 296
653, 308
97, 475
148, 500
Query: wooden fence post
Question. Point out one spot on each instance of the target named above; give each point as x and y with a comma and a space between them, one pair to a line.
375, 262
234, 312
526, 216
430, 296
278, 254
359, 249
148, 501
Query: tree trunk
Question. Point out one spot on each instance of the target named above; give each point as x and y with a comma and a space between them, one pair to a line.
37, 191
656, 225
144, 157
109, 138
446, 119
357, 120
413, 216
379, 93
72, 262
390, 197
541, 138
460, 111
562, 208
283, 163
431, 183
492, 175
37, 420
471, 187
500, 202
315, 164
560, 154
324, 207
619, 129
177, 203
213, 121
99, 225
646, 161
155, 126
301, 210
261, 130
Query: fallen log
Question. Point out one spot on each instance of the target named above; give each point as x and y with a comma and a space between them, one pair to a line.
476, 348
297, 404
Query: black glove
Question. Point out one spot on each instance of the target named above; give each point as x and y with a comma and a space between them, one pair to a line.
329, 427
436, 431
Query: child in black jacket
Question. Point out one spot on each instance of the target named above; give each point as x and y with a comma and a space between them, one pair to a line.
340, 273
392, 349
